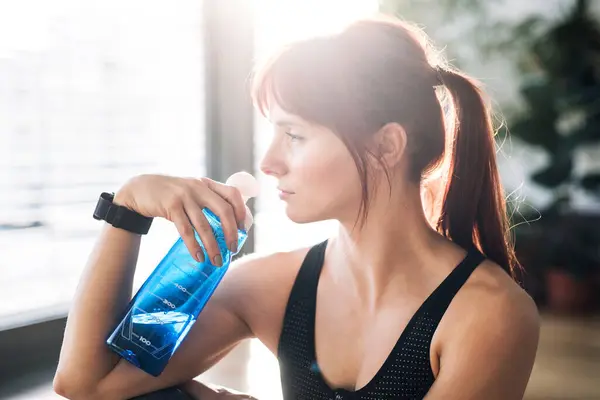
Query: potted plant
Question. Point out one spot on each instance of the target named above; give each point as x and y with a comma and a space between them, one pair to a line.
561, 91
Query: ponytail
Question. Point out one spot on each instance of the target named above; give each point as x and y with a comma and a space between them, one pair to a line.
382, 70
473, 211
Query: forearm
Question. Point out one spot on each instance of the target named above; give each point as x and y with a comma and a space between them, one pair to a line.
204, 391
102, 294
87, 368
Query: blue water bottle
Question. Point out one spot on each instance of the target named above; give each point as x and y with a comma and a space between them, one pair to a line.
166, 306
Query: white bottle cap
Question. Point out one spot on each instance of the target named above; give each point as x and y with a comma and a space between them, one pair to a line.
248, 187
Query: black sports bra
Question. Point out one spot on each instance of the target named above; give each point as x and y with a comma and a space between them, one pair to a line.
406, 373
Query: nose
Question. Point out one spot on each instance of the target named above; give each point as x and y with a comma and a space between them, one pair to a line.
273, 162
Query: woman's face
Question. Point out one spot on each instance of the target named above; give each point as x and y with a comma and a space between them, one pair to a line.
316, 174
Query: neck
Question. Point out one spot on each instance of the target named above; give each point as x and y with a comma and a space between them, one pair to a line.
395, 244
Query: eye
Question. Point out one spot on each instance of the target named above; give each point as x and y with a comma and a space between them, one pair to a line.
294, 138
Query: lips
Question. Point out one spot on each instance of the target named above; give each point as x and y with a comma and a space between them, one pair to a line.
284, 194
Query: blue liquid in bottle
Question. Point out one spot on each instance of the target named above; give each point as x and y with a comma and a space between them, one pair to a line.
164, 309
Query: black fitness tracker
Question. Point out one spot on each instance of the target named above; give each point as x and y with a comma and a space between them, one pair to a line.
121, 217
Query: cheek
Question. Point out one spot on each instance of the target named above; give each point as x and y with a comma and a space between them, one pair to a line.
328, 178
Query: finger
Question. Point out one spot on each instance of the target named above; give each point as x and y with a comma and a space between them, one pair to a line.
195, 214
233, 197
186, 231
219, 206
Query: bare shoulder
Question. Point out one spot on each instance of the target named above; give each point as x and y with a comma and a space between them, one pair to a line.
260, 273
491, 285
257, 288
491, 302
490, 331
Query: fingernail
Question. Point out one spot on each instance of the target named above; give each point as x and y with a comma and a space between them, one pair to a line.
217, 260
200, 256
233, 247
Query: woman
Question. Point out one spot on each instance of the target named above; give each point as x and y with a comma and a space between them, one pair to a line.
414, 298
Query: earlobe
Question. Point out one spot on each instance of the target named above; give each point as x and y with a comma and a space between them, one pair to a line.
390, 144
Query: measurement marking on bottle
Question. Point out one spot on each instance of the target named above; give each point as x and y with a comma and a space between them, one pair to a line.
185, 272
156, 319
186, 291
182, 288
190, 275
144, 341
169, 304
152, 316
158, 297
164, 301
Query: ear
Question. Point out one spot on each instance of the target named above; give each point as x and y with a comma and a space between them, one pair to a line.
389, 144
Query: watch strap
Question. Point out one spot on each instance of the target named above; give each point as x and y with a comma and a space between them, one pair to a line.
120, 216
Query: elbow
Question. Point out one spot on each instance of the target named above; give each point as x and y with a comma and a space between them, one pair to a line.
61, 388
70, 387
65, 387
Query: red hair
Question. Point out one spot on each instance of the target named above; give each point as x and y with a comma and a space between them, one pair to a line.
378, 71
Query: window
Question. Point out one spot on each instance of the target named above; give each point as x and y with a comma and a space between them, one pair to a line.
91, 93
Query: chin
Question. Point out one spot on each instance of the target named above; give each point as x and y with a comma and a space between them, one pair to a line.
302, 216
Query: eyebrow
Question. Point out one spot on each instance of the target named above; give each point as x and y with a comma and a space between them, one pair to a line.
288, 122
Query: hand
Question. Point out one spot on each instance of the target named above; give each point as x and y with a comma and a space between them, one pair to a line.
181, 200
202, 391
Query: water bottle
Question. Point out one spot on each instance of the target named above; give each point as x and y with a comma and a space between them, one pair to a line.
166, 306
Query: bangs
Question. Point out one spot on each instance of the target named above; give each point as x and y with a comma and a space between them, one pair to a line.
303, 79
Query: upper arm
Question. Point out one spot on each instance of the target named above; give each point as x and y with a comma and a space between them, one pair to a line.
219, 327
491, 352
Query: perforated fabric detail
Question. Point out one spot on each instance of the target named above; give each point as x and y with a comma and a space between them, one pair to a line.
406, 373
299, 371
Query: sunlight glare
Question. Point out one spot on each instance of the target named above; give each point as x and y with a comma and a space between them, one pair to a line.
281, 21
